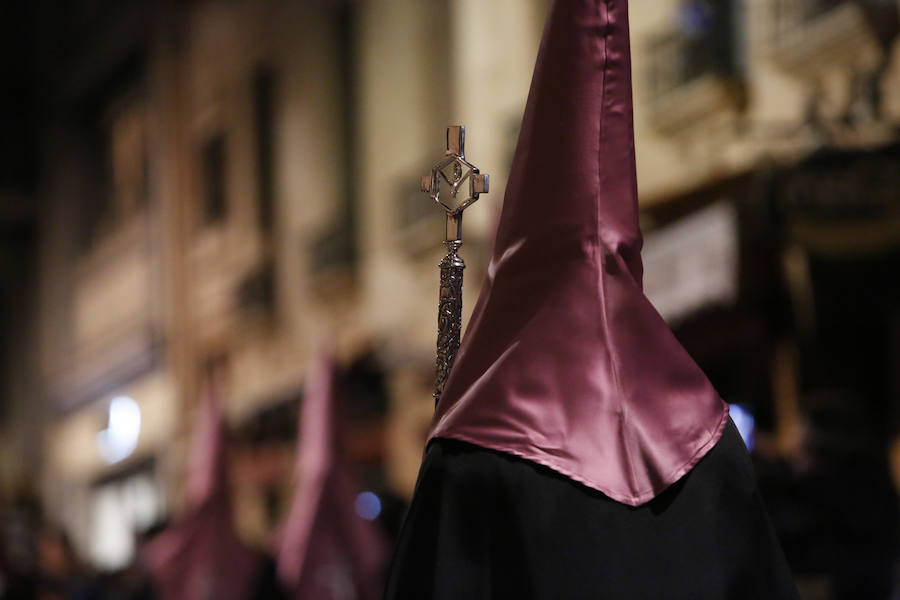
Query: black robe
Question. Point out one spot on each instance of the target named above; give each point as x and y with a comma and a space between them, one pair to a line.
484, 524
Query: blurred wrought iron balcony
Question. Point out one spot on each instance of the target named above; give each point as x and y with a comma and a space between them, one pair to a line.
335, 248
419, 220
255, 294
807, 36
696, 68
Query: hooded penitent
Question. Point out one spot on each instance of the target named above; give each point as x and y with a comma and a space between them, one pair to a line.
326, 550
201, 557
570, 402
565, 362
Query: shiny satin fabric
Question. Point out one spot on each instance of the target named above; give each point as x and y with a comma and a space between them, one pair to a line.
565, 362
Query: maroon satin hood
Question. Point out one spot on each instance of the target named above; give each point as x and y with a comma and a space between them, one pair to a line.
326, 550
565, 361
200, 556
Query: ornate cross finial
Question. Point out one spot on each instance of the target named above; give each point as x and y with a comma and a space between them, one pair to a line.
453, 171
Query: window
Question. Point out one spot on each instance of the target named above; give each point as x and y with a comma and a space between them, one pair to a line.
129, 160
264, 120
336, 247
112, 153
214, 164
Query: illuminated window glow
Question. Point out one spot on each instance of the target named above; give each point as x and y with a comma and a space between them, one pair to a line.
120, 438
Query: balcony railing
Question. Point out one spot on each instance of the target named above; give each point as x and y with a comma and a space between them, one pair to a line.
704, 42
255, 293
805, 36
787, 16
696, 67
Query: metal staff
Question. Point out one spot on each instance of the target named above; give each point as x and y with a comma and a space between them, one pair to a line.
455, 171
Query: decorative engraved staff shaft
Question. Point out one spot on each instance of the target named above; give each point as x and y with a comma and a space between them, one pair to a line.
464, 182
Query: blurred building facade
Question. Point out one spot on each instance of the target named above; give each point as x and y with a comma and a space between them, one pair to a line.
767, 145
235, 180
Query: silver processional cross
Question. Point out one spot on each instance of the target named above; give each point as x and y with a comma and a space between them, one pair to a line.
464, 182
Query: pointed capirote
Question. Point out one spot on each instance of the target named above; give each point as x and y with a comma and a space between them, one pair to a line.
201, 556
207, 478
326, 549
565, 362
